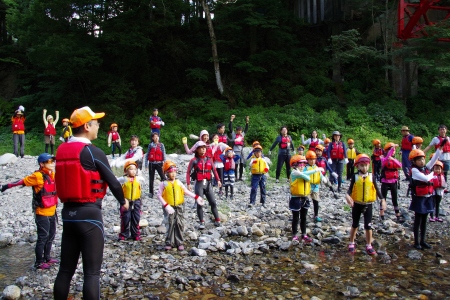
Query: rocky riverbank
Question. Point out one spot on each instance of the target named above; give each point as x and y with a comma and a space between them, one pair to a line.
251, 255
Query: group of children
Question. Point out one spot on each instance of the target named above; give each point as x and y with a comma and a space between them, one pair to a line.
215, 163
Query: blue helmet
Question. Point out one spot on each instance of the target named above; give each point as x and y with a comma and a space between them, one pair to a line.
45, 157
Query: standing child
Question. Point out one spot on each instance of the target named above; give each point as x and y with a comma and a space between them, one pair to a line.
238, 138
389, 179
66, 131
171, 195
44, 204
439, 185
315, 179
285, 146
223, 137
18, 129
377, 154
203, 138
417, 142
155, 122
217, 149
422, 201
154, 159
130, 217
351, 155
229, 159
337, 156
254, 144
50, 130
313, 141
300, 188
322, 162
301, 150
114, 139
135, 153
258, 168
361, 194
201, 168
326, 143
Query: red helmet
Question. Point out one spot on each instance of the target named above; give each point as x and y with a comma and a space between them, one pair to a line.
362, 158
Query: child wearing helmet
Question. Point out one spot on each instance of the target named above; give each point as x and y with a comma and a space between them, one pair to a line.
238, 138
254, 144
337, 156
315, 180
114, 139
258, 168
300, 188
154, 159
422, 201
377, 154
201, 169
361, 195
326, 143
18, 130
389, 178
313, 141
321, 161
445, 154
171, 196
439, 185
44, 205
285, 146
351, 155
50, 130
229, 159
417, 142
131, 186
66, 132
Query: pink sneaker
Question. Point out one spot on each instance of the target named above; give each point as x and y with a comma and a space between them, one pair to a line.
180, 248
52, 261
43, 266
431, 219
168, 247
306, 239
438, 220
295, 238
370, 250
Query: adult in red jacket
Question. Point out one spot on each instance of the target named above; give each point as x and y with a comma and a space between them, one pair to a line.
18, 129
79, 164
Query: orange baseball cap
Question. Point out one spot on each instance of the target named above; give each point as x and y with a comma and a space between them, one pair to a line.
83, 115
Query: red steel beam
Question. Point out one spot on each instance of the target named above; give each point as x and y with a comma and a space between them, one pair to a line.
412, 17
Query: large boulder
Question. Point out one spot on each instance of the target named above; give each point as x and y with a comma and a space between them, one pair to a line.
8, 158
11, 292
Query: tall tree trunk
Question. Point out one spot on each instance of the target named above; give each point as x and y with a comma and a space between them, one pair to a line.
214, 47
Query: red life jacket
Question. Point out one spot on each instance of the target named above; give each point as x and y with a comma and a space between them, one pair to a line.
18, 124
209, 152
325, 152
73, 182
446, 146
223, 138
312, 145
46, 197
438, 181
284, 142
406, 144
155, 153
422, 188
239, 140
50, 130
377, 152
155, 119
217, 154
321, 163
389, 170
337, 150
114, 136
130, 153
229, 164
203, 168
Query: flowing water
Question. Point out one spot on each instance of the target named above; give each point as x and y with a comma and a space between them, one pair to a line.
15, 261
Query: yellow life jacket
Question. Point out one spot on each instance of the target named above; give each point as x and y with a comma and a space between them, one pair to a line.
351, 153
131, 189
173, 194
258, 166
363, 189
315, 177
300, 187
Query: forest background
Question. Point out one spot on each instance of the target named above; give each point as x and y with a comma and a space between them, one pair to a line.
127, 57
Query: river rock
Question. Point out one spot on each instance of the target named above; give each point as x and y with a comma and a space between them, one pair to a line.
11, 292
5, 239
285, 246
242, 231
331, 240
197, 252
414, 255
8, 158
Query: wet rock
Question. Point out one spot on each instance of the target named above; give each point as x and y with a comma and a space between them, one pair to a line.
414, 255
285, 246
11, 292
233, 278
331, 240
197, 252
5, 239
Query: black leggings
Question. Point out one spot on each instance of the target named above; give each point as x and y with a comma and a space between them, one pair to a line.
206, 192
51, 148
151, 174
239, 167
367, 212
420, 222
296, 215
283, 158
385, 187
82, 233
46, 229
316, 207
437, 203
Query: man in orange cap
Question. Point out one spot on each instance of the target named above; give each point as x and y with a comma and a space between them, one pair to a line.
82, 177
